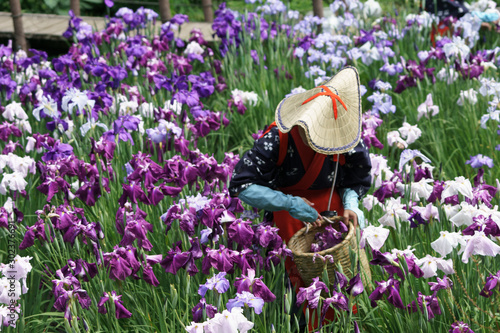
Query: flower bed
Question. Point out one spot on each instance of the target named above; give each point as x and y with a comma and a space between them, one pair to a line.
116, 158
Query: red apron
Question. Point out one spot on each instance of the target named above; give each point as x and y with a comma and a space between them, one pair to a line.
313, 163
288, 226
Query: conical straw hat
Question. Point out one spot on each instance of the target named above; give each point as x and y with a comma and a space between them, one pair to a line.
314, 111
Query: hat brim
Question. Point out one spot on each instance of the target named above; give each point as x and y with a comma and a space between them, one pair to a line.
325, 133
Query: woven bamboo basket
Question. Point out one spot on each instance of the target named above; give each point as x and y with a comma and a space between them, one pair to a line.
300, 245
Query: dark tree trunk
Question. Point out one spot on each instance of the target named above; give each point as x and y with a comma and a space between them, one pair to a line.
75, 7
165, 13
208, 10
17, 19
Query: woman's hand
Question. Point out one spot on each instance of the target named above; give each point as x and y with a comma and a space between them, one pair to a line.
319, 220
352, 216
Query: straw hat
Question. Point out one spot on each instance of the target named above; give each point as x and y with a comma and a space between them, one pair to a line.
329, 114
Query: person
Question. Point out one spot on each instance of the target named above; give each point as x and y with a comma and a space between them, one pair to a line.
311, 160
445, 8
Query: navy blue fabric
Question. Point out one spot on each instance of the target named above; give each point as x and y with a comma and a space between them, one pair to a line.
258, 166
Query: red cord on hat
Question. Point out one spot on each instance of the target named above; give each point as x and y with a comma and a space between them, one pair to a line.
333, 96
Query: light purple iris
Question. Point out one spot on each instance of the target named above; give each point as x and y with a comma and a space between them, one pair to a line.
479, 161
408, 155
246, 299
217, 282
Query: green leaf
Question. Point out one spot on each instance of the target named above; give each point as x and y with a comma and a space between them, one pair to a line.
51, 3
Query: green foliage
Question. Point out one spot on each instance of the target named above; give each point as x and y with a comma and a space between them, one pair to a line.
448, 140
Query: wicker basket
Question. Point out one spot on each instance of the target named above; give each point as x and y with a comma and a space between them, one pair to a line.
300, 244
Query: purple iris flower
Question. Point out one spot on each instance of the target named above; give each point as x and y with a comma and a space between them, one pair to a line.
444, 283
311, 293
36, 231
133, 193
266, 235
469, 71
188, 221
364, 36
392, 69
147, 273
479, 161
436, 191
329, 238
246, 299
64, 300
278, 254
246, 260
340, 280
482, 223
460, 327
114, 75
404, 82
175, 260
211, 215
190, 98
90, 191
337, 300
217, 282
156, 193
428, 305
241, 232
483, 193
355, 286
227, 28
58, 151
416, 219
80, 268
382, 259
144, 169
389, 288
370, 138
7, 85
254, 285
203, 307
121, 263
121, 311
65, 288
7, 129
220, 259
179, 19
11, 147
490, 285
133, 226
421, 172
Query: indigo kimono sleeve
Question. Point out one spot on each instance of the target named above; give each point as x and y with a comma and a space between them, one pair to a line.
356, 172
257, 165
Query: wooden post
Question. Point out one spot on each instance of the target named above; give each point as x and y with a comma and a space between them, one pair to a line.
75, 7
165, 13
318, 8
207, 10
17, 19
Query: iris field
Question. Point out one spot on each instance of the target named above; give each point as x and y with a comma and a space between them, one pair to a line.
117, 155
